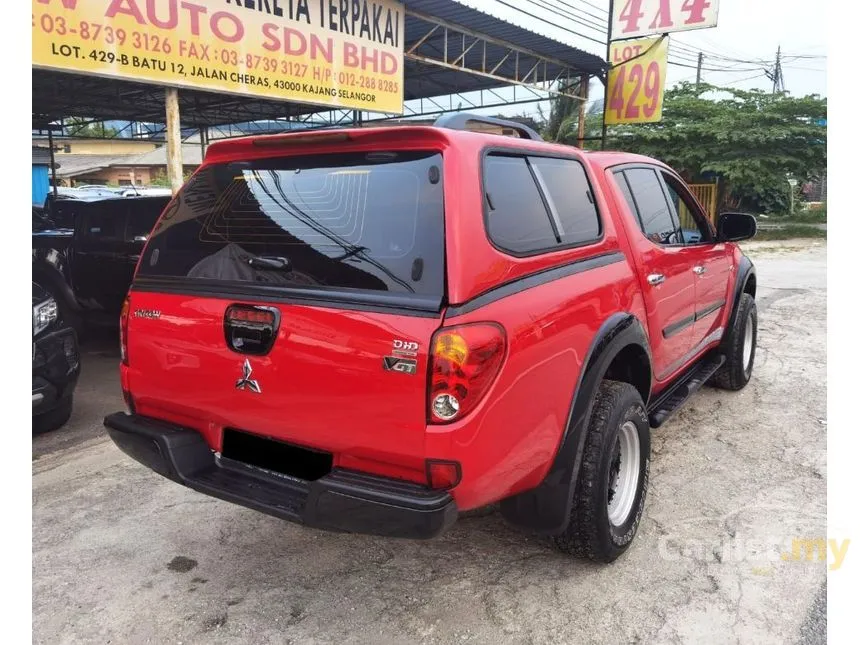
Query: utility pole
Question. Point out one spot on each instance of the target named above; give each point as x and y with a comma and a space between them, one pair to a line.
608, 67
584, 80
699, 70
778, 80
174, 138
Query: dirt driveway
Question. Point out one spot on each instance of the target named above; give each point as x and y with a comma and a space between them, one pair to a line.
121, 555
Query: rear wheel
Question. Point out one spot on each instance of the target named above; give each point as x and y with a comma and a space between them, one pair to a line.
54, 419
739, 347
613, 479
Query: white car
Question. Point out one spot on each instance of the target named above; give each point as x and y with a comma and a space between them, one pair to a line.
135, 191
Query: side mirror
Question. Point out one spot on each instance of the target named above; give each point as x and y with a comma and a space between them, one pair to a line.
734, 227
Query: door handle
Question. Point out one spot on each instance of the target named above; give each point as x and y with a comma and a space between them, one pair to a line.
699, 270
656, 278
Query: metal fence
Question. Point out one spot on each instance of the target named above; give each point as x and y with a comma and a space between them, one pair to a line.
707, 196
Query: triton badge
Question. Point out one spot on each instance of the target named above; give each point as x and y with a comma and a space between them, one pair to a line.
246, 380
147, 313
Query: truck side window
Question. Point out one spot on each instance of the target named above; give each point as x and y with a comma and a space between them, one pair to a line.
567, 187
621, 180
517, 219
142, 217
105, 222
694, 229
655, 216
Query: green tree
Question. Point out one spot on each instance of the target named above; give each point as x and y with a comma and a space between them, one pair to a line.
752, 140
78, 127
563, 114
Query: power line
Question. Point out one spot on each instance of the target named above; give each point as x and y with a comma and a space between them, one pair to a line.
805, 69
548, 22
711, 69
594, 6
549, 8
604, 18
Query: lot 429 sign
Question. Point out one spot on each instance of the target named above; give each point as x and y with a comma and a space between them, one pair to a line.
632, 18
636, 81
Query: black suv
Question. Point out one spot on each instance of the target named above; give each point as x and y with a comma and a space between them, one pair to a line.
56, 364
85, 252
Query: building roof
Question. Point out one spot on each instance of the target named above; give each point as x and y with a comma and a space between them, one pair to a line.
42, 156
191, 156
74, 165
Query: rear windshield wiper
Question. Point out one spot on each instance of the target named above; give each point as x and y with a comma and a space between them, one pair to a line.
270, 263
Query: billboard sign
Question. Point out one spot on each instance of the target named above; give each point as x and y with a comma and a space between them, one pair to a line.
635, 18
325, 52
637, 78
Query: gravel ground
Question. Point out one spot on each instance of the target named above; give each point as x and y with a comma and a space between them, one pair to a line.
121, 555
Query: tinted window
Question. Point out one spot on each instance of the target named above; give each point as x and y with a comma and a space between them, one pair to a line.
693, 229
567, 188
625, 190
142, 216
517, 219
654, 214
104, 221
370, 221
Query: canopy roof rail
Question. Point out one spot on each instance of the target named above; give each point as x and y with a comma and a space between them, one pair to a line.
461, 120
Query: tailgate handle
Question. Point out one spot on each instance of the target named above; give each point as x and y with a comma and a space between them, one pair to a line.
251, 329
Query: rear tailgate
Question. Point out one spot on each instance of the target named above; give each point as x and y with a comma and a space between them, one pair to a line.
342, 258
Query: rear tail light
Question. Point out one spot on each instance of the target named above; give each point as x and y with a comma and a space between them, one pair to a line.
464, 362
123, 330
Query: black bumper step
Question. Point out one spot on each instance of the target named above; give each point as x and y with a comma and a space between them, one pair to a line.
676, 394
342, 500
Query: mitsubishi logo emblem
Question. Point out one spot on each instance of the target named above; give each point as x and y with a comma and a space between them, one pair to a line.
246, 380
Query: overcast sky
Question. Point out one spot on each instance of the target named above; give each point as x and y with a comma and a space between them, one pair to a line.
748, 30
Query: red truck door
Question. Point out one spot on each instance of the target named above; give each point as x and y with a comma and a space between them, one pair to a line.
712, 267
665, 268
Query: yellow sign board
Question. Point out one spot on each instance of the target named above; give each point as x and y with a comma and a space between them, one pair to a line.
339, 53
637, 77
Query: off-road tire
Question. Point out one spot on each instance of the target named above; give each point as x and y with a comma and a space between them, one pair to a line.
734, 375
589, 533
54, 419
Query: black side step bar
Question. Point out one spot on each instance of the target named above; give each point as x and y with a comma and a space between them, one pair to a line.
676, 394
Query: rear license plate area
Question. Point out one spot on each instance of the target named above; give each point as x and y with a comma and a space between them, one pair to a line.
275, 456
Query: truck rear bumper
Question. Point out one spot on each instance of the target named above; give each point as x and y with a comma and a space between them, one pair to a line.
342, 500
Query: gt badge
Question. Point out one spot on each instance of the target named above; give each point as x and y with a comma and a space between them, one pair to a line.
398, 364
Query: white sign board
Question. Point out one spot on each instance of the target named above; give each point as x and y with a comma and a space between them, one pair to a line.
635, 18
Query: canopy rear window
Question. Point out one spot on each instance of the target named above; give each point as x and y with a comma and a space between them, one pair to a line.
367, 221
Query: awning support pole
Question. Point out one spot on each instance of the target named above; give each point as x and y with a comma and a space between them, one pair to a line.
174, 139
583, 93
53, 163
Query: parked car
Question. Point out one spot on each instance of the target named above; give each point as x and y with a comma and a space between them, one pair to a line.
373, 330
85, 258
99, 190
56, 364
144, 191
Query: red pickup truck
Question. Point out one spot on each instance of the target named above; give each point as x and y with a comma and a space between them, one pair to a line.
371, 330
